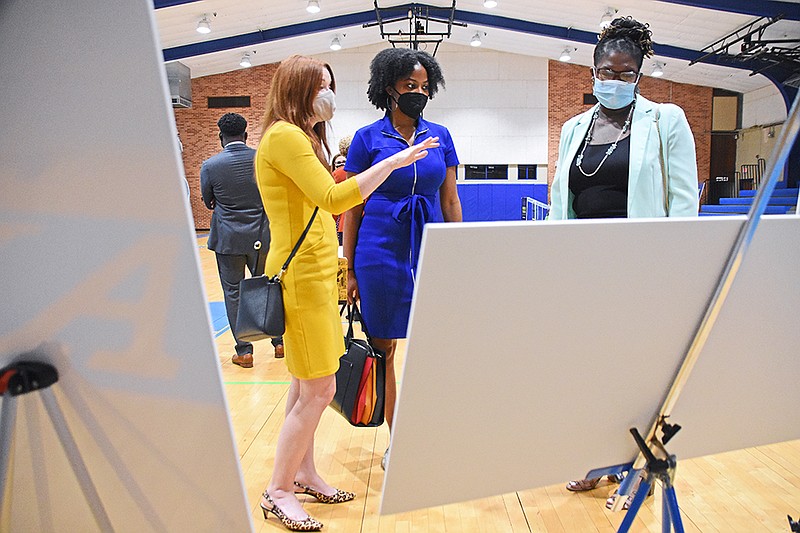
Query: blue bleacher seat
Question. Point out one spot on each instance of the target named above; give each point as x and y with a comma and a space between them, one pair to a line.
781, 202
777, 192
742, 209
748, 200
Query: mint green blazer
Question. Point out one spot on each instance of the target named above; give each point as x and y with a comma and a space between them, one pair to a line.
645, 182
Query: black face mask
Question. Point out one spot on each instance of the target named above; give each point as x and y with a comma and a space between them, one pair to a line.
412, 104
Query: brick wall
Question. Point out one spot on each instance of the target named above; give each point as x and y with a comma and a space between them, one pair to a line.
568, 83
566, 86
197, 125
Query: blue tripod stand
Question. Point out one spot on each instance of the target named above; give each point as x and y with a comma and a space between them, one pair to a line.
662, 470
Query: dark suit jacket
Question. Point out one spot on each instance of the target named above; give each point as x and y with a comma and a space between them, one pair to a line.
229, 188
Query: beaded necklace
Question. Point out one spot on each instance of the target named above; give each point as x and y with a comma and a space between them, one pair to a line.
611, 148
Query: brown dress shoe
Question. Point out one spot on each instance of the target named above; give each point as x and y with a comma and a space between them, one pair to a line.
244, 360
279, 351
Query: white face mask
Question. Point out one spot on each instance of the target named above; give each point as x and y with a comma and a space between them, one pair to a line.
614, 94
324, 105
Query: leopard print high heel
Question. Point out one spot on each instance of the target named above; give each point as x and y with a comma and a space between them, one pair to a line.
308, 524
341, 496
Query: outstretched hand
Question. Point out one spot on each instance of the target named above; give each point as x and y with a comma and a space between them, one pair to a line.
416, 152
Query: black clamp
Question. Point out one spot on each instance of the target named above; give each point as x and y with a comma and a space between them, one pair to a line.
26, 376
663, 469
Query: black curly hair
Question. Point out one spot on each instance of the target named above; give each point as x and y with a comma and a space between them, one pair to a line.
627, 35
232, 124
393, 64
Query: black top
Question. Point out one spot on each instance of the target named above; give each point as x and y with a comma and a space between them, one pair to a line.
604, 195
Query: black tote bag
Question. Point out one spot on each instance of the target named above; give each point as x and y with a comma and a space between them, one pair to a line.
349, 377
260, 314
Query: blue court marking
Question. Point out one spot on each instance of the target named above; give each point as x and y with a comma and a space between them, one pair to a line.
219, 318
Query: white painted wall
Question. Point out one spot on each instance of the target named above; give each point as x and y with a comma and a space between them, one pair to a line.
762, 107
494, 103
756, 143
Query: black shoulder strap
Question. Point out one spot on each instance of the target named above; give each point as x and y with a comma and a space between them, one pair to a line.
297, 246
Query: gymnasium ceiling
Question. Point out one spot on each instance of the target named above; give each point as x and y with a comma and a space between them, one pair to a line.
271, 30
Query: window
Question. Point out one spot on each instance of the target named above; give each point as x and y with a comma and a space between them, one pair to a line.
217, 102
526, 172
486, 172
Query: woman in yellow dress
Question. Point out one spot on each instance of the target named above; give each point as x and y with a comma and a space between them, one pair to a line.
293, 178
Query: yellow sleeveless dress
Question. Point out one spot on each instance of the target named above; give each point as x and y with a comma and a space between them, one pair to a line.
292, 182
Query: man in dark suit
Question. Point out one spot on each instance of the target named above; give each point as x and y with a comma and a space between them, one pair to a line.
229, 188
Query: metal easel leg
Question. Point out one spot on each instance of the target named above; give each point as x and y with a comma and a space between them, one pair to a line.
74, 456
626, 487
672, 513
638, 500
24, 377
666, 522
662, 470
7, 420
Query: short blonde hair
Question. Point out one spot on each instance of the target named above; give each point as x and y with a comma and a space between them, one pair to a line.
344, 145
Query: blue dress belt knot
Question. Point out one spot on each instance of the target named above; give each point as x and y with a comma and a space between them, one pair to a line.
418, 209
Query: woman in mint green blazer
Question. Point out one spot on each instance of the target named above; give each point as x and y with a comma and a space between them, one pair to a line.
627, 156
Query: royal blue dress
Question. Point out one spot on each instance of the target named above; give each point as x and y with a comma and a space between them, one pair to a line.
388, 242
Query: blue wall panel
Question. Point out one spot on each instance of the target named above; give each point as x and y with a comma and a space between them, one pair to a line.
481, 202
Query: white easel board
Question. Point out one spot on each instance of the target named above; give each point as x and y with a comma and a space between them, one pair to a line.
534, 347
100, 278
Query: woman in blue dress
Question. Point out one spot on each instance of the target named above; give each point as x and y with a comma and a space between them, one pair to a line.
381, 237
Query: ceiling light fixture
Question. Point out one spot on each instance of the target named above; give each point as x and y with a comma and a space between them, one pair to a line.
608, 16
565, 55
658, 69
336, 44
245, 62
476, 39
313, 6
490, 3
204, 26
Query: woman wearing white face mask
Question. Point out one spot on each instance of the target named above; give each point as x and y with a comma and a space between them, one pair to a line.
294, 180
627, 156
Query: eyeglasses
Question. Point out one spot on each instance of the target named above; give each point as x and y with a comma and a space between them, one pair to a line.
605, 74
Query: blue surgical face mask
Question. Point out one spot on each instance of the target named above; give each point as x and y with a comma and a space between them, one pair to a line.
614, 94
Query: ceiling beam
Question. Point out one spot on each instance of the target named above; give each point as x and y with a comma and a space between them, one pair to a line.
265, 36
158, 4
590, 38
292, 30
775, 73
468, 17
761, 8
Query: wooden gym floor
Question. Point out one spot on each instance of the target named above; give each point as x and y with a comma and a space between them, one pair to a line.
749, 490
